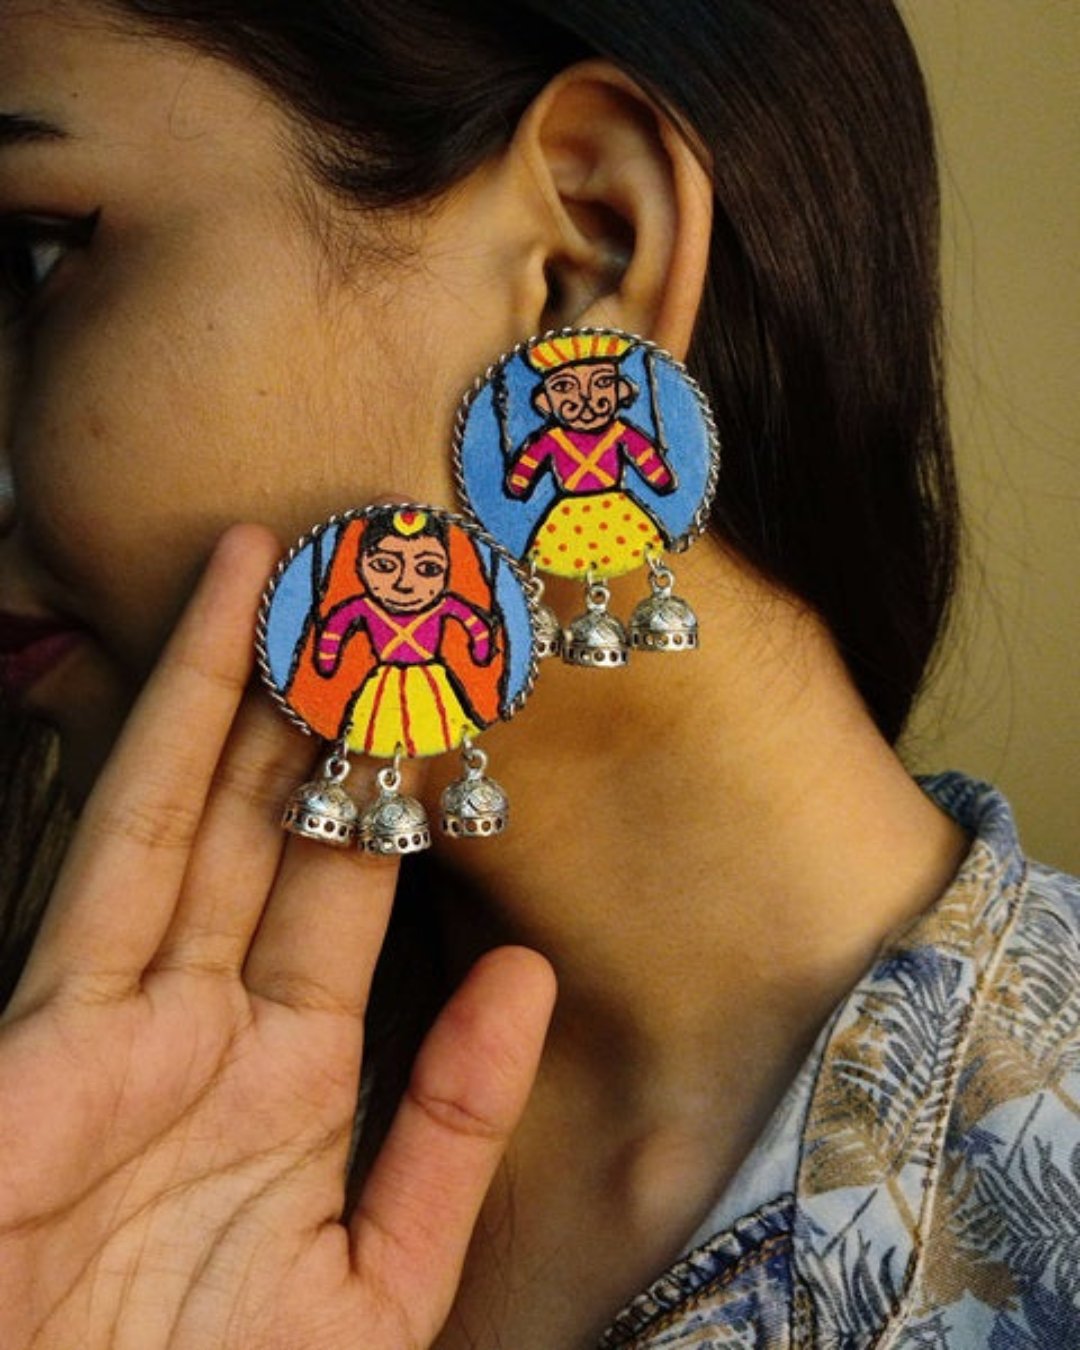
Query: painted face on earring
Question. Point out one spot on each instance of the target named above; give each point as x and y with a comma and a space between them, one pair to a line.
585, 396
405, 576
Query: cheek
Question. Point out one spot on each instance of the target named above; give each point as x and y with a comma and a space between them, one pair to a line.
373, 581
119, 501
142, 433
188, 390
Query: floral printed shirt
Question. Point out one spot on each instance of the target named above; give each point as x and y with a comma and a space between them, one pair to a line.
919, 1186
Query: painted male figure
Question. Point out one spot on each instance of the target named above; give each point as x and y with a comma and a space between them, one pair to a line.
593, 525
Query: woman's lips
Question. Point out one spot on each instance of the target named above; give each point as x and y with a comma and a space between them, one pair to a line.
29, 649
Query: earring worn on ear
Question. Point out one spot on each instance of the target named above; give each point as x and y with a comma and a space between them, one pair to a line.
395, 632
589, 453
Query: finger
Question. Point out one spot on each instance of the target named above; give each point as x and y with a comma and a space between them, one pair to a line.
324, 924
238, 850
469, 1087
121, 879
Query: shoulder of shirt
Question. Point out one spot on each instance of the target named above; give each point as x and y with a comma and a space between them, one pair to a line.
1059, 890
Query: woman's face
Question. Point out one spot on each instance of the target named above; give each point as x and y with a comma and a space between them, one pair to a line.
180, 349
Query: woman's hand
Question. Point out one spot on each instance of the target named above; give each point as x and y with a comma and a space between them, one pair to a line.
178, 1069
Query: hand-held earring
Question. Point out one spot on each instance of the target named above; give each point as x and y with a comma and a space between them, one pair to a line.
397, 632
588, 453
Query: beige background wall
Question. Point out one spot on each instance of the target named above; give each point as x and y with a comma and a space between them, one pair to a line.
1005, 81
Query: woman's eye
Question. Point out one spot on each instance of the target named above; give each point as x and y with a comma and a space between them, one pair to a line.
430, 569
31, 248
383, 565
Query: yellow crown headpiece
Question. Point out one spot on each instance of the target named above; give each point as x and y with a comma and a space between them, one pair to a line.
548, 354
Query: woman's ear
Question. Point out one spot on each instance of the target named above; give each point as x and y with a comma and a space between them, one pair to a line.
623, 236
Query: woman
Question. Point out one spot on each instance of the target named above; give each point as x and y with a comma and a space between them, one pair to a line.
255, 258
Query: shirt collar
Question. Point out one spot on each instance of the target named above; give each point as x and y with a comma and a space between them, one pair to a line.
885, 1085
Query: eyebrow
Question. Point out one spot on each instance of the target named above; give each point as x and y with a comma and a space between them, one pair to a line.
19, 129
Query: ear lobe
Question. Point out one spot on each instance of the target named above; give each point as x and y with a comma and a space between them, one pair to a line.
540, 401
629, 207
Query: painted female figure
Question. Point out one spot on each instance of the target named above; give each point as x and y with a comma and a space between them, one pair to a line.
411, 660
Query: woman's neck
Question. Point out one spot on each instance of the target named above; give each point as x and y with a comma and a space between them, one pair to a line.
709, 833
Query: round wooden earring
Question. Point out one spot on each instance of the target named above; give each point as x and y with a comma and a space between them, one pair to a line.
394, 632
590, 453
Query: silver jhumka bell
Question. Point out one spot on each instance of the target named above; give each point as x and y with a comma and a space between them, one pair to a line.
596, 638
322, 809
474, 806
662, 622
547, 630
393, 823
547, 633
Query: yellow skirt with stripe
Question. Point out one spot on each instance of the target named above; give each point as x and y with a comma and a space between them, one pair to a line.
413, 709
606, 533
